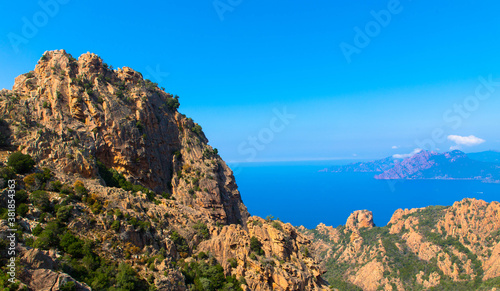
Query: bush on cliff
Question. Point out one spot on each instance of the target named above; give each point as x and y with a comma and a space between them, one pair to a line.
173, 103
256, 246
180, 242
20, 162
208, 276
41, 200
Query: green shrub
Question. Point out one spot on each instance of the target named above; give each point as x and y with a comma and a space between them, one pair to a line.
202, 230
118, 214
55, 186
41, 200
114, 179
126, 279
72, 245
96, 207
115, 225
233, 262
21, 196
150, 85
47, 174
210, 153
256, 246
256, 222
49, 238
208, 276
22, 209
253, 256
166, 195
277, 225
20, 162
197, 129
180, 242
64, 213
34, 181
173, 103
29, 241
4, 213
42, 217
37, 230
66, 189
139, 126
7, 173
80, 189
119, 94
202, 256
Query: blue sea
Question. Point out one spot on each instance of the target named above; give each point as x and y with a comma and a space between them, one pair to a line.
299, 193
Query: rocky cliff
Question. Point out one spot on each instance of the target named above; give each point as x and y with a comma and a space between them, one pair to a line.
72, 114
126, 193
443, 248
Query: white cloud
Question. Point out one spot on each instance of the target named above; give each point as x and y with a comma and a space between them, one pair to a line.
404, 156
395, 147
466, 140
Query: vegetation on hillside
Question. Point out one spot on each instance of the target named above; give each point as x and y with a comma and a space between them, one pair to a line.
55, 205
400, 263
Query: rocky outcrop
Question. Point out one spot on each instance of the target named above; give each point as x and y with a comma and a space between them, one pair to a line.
369, 276
360, 219
332, 233
41, 273
48, 280
420, 248
39, 259
71, 114
282, 264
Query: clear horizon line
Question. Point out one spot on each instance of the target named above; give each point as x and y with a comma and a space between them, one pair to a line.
325, 159
297, 160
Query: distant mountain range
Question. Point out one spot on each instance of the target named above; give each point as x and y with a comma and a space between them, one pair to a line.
454, 165
368, 167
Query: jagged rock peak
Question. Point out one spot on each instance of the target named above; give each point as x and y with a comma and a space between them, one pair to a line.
360, 219
81, 116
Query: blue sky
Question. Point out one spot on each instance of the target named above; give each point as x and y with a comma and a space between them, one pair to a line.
236, 63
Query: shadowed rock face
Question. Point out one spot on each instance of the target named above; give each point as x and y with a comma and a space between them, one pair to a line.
70, 113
